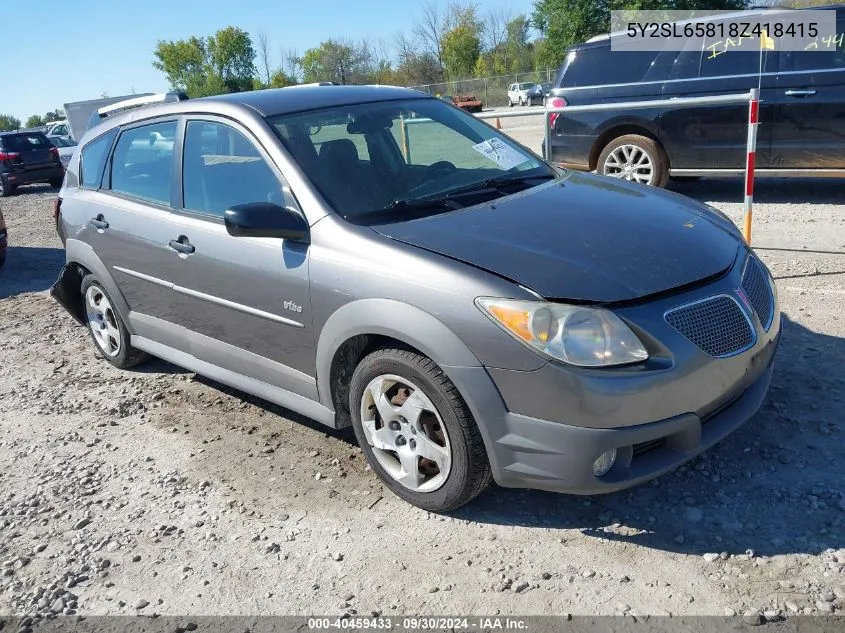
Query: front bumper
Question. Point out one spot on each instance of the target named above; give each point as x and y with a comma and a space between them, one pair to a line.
544, 429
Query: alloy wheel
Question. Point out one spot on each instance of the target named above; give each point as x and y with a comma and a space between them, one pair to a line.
103, 321
630, 162
406, 433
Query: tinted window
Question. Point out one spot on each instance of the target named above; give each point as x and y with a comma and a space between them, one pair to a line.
93, 158
222, 168
143, 161
23, 142
827, 52
599, 65
730, 56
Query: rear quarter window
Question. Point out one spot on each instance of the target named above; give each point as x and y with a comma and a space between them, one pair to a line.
599, 65
93, 159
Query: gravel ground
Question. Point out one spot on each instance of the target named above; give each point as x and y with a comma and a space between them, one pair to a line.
158, 491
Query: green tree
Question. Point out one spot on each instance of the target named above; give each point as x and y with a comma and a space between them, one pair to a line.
36, 120
232, 58
461, 50
280, 79
518, 50
567, 22
8, 122
221, 63
56, 115
340, 61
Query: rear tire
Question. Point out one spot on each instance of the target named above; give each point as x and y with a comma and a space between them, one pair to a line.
6, 190
429, 453
106, 327
636, 158
56, 183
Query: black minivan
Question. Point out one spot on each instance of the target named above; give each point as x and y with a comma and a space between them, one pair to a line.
802, 109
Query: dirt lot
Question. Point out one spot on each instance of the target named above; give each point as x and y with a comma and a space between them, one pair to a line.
158, 491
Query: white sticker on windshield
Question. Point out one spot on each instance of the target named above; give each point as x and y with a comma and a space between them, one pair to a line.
500, 153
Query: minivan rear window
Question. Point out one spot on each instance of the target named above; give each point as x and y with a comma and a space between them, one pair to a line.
599, 65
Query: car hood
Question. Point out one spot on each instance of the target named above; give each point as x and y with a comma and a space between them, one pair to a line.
584, 237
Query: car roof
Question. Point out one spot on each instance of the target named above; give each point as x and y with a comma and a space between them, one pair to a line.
268, 103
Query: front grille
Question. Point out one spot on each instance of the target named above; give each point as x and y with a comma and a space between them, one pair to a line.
716, 325
755, 283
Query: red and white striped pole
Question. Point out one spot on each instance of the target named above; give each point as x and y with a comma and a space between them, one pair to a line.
753, 119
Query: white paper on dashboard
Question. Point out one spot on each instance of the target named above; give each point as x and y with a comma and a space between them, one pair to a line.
500, 153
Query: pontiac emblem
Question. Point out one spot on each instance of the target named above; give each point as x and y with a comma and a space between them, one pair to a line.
741, 294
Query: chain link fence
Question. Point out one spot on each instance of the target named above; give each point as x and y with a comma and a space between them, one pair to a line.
492, 91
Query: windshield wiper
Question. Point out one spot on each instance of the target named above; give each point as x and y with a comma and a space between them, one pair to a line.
423, 203
497, 182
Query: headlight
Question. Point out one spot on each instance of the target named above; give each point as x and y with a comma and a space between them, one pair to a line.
588, 337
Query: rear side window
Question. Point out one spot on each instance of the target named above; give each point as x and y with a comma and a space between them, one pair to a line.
731, 56
142, 162
93, 158
600, 65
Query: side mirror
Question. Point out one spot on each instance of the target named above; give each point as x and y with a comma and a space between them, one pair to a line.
265, 219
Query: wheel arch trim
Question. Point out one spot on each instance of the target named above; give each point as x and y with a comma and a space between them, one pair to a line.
80, 253
394, 319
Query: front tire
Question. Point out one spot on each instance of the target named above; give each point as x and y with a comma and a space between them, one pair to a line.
416, 431
636, 158
106, 327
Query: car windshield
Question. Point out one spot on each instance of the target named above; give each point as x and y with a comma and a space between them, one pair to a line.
387, 158
526, 86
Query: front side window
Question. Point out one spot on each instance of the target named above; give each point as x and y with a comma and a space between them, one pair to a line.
223, 168
826, 52
374, 158
93, 159
143, 162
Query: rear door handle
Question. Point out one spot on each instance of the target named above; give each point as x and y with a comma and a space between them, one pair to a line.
800, 93
98, 223
182, 245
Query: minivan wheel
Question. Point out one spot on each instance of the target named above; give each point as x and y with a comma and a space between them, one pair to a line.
635, 158
416, 431
5, 190
107, 329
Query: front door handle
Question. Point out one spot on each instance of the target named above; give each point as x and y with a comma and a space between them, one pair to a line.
800, 93
99, 223
182, 245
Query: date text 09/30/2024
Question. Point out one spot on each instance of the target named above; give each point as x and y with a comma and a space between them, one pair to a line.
419, 623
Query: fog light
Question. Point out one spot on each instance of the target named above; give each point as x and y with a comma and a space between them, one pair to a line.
604, 463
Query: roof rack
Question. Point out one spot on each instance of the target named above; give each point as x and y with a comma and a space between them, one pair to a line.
137, 102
